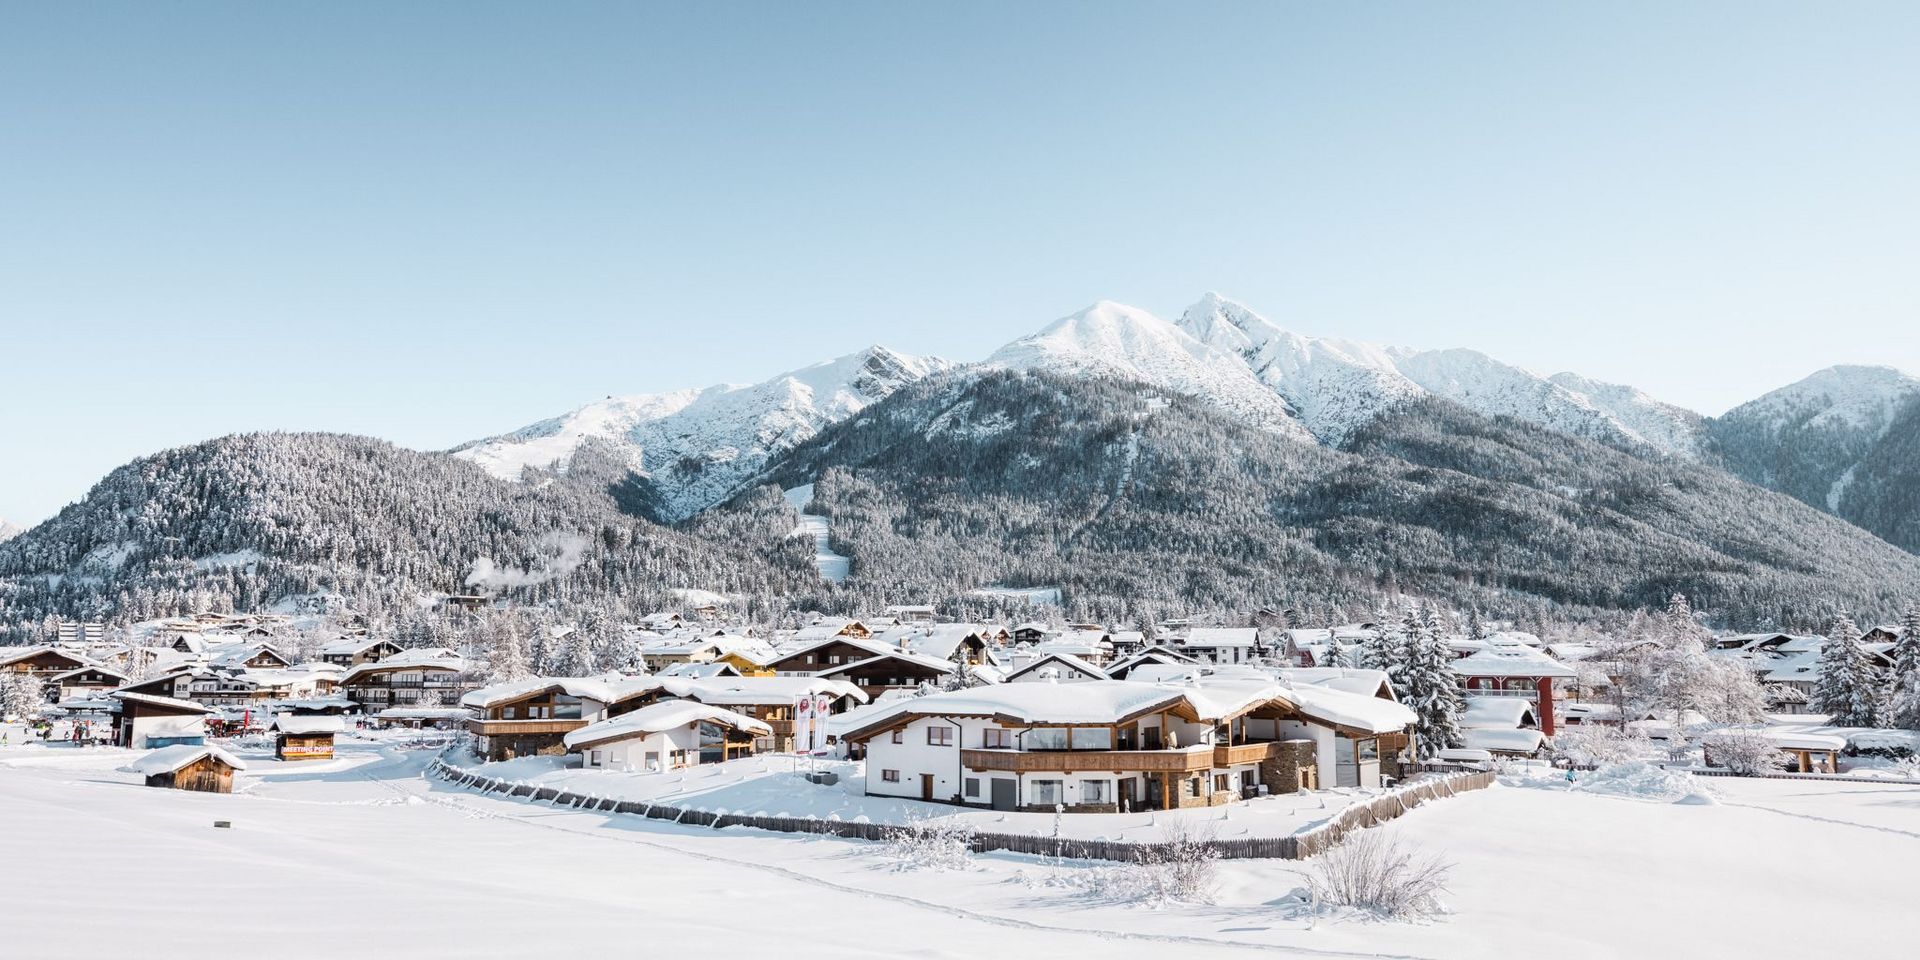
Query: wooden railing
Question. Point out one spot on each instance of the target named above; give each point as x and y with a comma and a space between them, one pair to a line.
499, 728
1225, 755
1062, 761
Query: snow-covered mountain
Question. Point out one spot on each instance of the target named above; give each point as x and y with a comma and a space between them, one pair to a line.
9, 530
1113, 338
1337, 385
1842, 440
697, 446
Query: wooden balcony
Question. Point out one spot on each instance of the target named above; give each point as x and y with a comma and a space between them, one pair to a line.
1190, 760
507, 728
1252, 752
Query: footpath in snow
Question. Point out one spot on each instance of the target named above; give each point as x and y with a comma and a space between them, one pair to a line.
832, 566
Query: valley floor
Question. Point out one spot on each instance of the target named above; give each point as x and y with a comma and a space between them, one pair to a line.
365, 850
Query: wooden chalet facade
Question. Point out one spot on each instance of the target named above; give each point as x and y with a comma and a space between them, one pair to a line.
1106, 746
352, 653
408, 679
202, 769
891, 671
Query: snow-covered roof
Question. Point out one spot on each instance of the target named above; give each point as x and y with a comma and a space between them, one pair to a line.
1790, 738
510, 691
1496, 713
1352, 710
184, 706
109, 671
931, 663
1067, 660
1222, 637
1511, 740
1092, 702
656, 717
306, 725
758, 691
23, 653
169, 759
353, 645
1511, 662
1154, 671
699, 671
430, 658
1349, 679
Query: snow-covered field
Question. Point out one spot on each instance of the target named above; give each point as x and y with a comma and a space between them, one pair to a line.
365, 851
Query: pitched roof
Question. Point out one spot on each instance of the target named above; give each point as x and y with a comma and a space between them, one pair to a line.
1067, 660
656, 717
169, 759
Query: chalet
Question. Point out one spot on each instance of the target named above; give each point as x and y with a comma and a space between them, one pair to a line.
41, 663
968, 643
1516, 671
746, 654
1221, 644
430, 676
85, 682
826, 628
1032, 632
304, 738
1108, 745
1156, 653
525, 718
1501, 726
358, 650
145, 721
202, 768
667, 735
891, 671
251, 656
806, 659
911, 613
468, 601
771, 701
1056, 667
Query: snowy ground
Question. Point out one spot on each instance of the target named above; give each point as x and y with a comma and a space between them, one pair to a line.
772, 786
833, 567
383, 855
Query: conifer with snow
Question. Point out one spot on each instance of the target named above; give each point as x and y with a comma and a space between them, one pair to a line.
1428, 687
1846, 689
1903, 708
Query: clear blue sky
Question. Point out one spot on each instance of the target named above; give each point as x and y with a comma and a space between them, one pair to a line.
432, 222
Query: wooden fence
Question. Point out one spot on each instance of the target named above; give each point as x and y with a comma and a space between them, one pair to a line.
1298, 846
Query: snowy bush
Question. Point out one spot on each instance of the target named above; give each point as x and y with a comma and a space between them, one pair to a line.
1599, 745
929, 845
1183, 868
1744, 751
1374, 872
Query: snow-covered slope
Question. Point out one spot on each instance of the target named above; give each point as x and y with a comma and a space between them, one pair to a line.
1113, 338
9, 530
698, 446
1335, 386
1841, 440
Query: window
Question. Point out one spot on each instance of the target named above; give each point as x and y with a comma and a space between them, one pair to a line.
1093, 738
1096, 791
1369, 750
972, 786
1045, 791
996, 738
890, 776
1045, 738
1193, 787
593, 758
940, 736
1220, 783
899, 736
834, 660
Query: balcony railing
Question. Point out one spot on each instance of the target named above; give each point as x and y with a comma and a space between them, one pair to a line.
1187, 760
1225, 755
498, 728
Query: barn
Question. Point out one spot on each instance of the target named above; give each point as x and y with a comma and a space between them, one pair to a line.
204, 769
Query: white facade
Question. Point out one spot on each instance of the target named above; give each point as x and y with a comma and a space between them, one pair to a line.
152, 727
660, 751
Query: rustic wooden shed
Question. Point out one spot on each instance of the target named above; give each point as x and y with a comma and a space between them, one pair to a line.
304, 738
205, 769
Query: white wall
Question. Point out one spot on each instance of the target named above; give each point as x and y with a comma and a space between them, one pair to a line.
165, 727
622, 754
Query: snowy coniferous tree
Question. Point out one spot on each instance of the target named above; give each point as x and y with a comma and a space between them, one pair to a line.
20, 695
1340, 654
509, 659
1846, 689
1430, 690
1904, 699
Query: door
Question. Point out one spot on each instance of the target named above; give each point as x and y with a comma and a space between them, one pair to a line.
926, 786
1004, 791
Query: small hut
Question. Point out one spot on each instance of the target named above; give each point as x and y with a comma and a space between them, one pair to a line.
304, 738
205, 769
